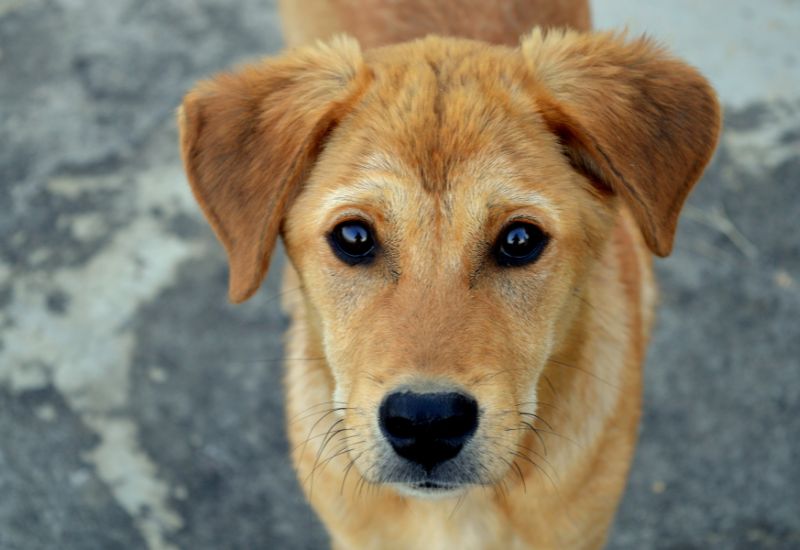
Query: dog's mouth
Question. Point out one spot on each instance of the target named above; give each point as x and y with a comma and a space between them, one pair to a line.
430, 489
433, 486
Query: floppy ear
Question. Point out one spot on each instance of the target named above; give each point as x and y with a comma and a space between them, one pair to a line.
631, 118
248, 139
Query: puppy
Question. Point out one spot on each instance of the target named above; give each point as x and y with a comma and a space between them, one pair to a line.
469, 223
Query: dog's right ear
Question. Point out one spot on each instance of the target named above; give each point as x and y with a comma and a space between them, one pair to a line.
249, 137
630, 117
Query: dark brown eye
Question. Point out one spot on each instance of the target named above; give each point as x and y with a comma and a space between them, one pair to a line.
519, 243
352, 242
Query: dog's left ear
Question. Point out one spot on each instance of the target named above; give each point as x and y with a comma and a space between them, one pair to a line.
631, 118
248, 139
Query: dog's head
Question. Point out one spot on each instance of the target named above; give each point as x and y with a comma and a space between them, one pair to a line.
441, 201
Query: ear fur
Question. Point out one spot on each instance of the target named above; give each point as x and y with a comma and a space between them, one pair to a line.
633, 119
248, 138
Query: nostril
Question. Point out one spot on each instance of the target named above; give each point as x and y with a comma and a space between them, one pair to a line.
428, 428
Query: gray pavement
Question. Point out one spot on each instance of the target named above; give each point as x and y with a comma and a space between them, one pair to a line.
138, 409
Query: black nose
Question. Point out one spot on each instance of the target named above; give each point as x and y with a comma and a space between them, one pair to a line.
428, 428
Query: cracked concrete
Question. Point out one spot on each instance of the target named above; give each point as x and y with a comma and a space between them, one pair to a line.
138, 409
83, 348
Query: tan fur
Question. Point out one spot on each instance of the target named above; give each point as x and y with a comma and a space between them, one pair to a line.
383, 22
438, 143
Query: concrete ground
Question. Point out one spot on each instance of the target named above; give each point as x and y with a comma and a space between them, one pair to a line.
138, 409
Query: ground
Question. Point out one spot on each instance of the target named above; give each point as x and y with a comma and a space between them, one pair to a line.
138, 409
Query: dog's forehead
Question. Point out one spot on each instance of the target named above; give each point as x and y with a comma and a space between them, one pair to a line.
450, 121
485, 182
437, 103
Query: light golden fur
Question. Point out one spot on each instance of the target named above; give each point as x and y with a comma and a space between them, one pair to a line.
437, 143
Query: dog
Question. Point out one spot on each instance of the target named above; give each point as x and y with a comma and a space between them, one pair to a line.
470, 219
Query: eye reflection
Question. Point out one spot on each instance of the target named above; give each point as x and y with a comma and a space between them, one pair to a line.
352, 242
520, 243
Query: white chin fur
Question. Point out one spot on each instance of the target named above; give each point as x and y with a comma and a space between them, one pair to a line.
415, 491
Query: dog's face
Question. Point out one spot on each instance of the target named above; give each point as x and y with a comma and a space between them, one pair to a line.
443, 203
440, 239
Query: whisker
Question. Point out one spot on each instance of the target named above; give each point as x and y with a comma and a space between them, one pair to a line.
459, 502
518, 470
344, 449
521, 477
324, 411
319, 454
603, 316
309, 439
489, 376
537, 417
282, 292
322, 404
536, 433
550, 385
504, 492
351, 436
537, 466
318, 405
540, 455
331, 433
562, 436
538, 404
589, 373
347, 471
372, 378
363, 482
314, 426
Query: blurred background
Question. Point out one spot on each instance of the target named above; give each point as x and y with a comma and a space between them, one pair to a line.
138, 409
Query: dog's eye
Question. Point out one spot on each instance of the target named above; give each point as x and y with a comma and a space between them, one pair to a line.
520, 243
352, 242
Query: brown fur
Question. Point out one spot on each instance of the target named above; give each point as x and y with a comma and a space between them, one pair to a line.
438, 143
381, 22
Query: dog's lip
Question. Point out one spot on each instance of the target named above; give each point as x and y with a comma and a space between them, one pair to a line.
434, 486
429, 489
430, 485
